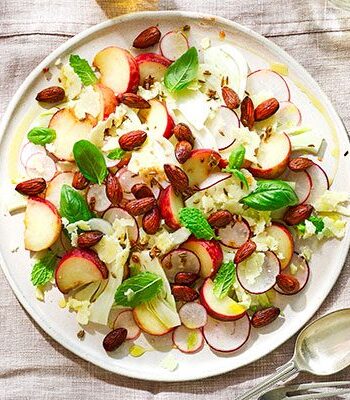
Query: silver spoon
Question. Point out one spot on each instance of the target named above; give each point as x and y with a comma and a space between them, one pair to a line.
322, 348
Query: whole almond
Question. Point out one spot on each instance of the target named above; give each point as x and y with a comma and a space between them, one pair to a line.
186, 278
183, 132
288, 283
300, 164
140, 206
184, 293
266, 109
134, 101
296, 214
89, 239
114, 339
219, 219
132, 140
31, 187
264, 317
151, 221
177, 177
141, 190
183, 151
53, 94
79, 181
230, 97
114, 190
147, 38
246, 250
247, 113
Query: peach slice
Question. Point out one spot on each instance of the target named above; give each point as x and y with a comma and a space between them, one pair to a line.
53, 191
170, 205
158, 119
151, 64
285, 242
148, 322
108, 100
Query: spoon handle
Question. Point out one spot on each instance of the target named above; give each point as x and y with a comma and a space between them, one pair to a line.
282, 374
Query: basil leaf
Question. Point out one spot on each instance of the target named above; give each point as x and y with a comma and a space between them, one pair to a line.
194, 220
116, 154
73, 205
43, 269
181, 72
224, 279
138, 289
236, 158
239, 174
42, 136
90, 161
83, 70
271, 195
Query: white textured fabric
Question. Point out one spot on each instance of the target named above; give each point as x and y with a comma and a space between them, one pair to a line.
33, 366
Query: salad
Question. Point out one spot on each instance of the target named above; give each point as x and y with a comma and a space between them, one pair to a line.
173, 191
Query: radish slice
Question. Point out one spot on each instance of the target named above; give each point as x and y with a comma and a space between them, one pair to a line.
302, 274
222, 127
30, 149
214, 179
320, 182
126, 320
265, 280
287, 116
114, 213
188, 340
53, 191
97, 198
268, 81
180, 260
127, 180
227, 336
173, 45
193, 315
40, 165
303, 183
235, 234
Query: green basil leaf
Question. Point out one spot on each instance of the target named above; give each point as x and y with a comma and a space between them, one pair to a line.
73, 205
194, 220
116, 154
236, 158
271, 195
224, 279
239, 174
138, 289
83, 70
43, 270
181, 72
42, 136
90, 161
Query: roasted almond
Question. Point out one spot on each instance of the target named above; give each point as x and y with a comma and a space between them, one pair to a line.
247, 113
114, 339
296, 214
219, 219
147, 38
114, 190
266, 109
230, 97
134, 101
141, 190
300, 164
288, 283
140, 206
185, 278
89, 239
177, 177
31, 187
184, 293
183, 151
151, 221
243, 252
264, 317
79, 181
132, 140
183, 132
53, 94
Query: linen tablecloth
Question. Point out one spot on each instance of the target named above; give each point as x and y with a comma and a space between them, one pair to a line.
32, 365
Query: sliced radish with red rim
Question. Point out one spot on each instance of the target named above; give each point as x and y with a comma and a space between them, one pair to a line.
97, 198
30, 149
235, 234
173, 45
287, 116
303, 183
40, 165
214, 179
302, 274
127, 180
193, 315
188, 340
227, 336
265, 80
265, 280
114, 213
126, 320
180, 260
320, 182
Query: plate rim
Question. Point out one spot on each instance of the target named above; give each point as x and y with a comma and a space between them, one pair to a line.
75, 40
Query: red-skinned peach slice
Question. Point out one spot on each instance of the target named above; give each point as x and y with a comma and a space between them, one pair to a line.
151, 64
158, 119
285, 242
108, 100
53, 190
148, 322
170, 205
42, 224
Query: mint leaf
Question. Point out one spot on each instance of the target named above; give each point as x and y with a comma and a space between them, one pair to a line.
73, 205
318, 222
194, 220
90, 161
239, 174
138, 289
236, 158
83, 70
224, 279
42, 136
43, 270
181, 72
116, 154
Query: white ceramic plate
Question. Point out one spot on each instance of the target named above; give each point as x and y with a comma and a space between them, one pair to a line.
326, 263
